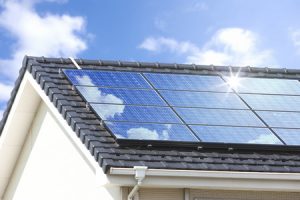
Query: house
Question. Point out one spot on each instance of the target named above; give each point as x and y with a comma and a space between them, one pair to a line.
58, 142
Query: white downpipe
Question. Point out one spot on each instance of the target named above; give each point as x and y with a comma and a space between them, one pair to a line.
140, 173
186, 194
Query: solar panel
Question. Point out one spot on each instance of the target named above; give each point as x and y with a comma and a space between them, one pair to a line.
289, 136
106, 78
203, 99
121, 96
281, 119
272, 102
142, 131
192, 108
219, 117
187, 82
135, 113
267, 86
235, 135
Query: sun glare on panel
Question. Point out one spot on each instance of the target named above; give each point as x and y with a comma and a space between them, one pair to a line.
233, 81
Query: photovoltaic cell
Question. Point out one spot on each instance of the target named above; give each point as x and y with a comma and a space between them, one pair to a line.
272, 102
121, 96
235, 135
135, 113
219, 117
141, 131
106, 78
203, 99
281, 119
187, 82
289, 136
268, 86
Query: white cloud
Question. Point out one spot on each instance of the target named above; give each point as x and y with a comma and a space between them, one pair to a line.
49, 35
96, 95
4, 91
295, 36
197, 6
228, 46
169, 44
4, 96
1, 114
142, 134
265, 139
160, 24
145, 133
39, 35
108, 112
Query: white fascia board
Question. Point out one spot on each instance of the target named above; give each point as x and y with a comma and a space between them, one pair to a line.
16, 128
222, 180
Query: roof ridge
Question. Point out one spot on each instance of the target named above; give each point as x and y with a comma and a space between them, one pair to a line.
158, 65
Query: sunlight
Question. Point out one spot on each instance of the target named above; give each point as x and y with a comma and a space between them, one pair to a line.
234, 81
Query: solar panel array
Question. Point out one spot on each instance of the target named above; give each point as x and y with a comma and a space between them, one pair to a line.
192, 108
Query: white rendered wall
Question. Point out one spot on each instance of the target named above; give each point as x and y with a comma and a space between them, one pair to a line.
51, 167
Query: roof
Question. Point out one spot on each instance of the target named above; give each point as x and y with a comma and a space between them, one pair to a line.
108, 153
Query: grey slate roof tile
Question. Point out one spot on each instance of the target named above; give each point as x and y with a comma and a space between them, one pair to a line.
86, 125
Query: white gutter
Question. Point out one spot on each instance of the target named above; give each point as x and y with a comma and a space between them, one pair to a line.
209, 174
140, 173
223, 180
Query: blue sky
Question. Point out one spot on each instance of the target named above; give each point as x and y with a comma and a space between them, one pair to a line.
231, 32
